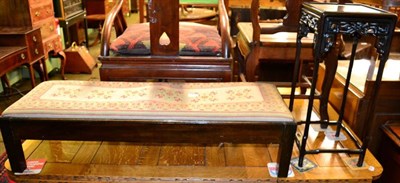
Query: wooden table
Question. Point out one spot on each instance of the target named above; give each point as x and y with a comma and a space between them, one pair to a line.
202, 113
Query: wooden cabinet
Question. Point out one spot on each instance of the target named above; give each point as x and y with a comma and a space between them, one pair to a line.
42, 16
72, 18
33, 14
21, 46
33, 25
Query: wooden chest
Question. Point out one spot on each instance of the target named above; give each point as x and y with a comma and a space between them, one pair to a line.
42, 16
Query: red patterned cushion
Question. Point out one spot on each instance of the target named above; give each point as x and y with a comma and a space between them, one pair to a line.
195, 39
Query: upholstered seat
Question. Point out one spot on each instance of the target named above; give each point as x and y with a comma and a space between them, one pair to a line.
227, 101
194, 40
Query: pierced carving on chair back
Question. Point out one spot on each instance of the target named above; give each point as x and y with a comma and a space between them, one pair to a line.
164, 21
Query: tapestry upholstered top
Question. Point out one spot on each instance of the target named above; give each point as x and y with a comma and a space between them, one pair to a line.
231, 101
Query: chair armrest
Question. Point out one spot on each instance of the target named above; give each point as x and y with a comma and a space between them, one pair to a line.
224, 27
114, 18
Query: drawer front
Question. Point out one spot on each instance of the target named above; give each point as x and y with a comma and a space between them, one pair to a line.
13, 61
47, 27
35, 45
52, 43
57, 44
41, 12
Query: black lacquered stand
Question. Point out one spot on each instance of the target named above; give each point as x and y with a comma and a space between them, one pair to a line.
328, 22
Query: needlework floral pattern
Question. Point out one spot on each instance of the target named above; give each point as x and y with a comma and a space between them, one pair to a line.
94, 99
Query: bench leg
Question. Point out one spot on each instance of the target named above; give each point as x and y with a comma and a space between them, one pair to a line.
14, 149
285, 150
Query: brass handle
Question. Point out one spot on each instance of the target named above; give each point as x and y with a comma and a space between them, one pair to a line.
22, 56
37, 13
34, 39
36, 51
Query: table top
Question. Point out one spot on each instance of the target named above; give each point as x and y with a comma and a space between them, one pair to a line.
351, 9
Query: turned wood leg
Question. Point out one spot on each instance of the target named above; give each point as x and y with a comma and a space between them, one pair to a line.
4, 81
13, 146
40, 67
63, 59
32, 75
330, 72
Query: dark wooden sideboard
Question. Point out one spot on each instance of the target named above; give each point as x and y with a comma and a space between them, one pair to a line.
22, 46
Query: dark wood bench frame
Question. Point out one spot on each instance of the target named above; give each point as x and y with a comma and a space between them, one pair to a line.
14, 130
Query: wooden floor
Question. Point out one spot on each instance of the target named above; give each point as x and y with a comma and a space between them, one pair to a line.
77, 161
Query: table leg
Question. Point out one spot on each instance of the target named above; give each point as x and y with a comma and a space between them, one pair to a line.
13, 147
32, 75
63, 59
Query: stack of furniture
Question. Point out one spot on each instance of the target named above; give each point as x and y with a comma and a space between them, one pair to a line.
33, 28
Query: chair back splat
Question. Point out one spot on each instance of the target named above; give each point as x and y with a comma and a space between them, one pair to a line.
161, 26
164, 48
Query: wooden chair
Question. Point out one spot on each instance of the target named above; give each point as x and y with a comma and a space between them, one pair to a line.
163, 55
95, 16
260, 41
